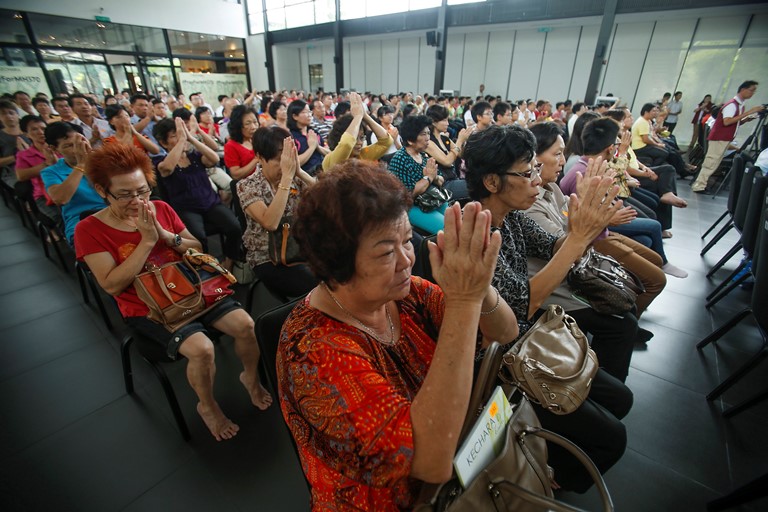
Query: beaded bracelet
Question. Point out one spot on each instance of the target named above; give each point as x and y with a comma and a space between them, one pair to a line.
494, 308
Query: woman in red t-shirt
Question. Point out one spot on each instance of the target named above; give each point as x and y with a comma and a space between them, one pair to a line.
238, 151
119, 241
205, 121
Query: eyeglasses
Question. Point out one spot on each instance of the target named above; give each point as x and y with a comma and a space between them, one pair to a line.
127, 198
531, 174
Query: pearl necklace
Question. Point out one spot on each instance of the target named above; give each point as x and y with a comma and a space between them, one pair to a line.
367, 329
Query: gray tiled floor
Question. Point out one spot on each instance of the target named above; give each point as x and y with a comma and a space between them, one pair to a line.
71, 439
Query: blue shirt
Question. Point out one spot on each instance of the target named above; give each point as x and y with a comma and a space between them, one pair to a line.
147, 129
85, 197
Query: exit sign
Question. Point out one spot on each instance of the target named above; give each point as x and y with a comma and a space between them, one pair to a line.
103, 19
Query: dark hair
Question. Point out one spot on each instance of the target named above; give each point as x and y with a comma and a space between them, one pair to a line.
678, 92
546, 135
183, 113
598, 135
38, 100
60, 98
337, 130
617, 114
163, 129
222, 97
199, 111
54, 132
295, 109
116, 159
408, 110
647, 107
356, 197
24, 123
137, 97
268, 142
342, 108
73, 97
494, 151
194, 94
437, 113
112, 111
157, 101
17, 93
265, 101
578, 106
500, 109
412, 126
235, 125
385, 109
574, 146
273, 108
667, 95
7, 105
747, 85
478, 109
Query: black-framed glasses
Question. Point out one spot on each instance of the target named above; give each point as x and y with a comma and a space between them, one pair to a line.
531, 174
127, 198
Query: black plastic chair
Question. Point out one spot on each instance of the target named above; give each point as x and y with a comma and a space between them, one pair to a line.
737, 172
268, 327
759, 311
86, 277
152, 354
749, 239
739, 216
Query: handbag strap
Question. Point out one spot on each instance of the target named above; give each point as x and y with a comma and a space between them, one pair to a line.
159, 277
484, 385
582, 457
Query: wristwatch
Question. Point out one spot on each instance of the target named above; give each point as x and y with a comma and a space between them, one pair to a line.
176, 240
429, 180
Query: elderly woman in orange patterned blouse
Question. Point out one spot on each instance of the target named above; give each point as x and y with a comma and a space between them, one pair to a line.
375, 365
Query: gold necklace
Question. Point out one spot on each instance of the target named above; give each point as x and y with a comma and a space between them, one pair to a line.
367, 329
113, 214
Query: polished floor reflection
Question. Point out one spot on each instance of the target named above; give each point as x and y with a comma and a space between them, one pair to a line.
71, 439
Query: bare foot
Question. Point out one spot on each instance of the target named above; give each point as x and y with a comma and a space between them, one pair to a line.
666, 234
259, 396
671, 199
220, 426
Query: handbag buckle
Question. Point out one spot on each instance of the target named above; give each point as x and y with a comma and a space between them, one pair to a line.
172, 286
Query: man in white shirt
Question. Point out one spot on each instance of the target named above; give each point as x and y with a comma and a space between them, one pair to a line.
578, 109
95, 130
673, 111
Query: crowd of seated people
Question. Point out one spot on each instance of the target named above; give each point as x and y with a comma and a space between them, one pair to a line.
348, 169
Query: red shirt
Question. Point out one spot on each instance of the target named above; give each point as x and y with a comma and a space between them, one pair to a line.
347, 401
92, 236
237, 155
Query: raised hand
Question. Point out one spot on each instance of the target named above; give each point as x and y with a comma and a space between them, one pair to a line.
289, 161
145, 222
82, 149
462, 137
591, 212
626, 140
182, 135
596, 168
21, 144
312, 139
464, 257
50, 156
431, 169
356, 105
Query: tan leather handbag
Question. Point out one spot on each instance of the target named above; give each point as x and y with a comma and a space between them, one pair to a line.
552, 363
518, 479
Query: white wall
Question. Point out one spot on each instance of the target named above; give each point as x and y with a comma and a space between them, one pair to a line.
204, 16
254, 46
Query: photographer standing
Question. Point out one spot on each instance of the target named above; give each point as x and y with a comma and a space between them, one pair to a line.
723, 132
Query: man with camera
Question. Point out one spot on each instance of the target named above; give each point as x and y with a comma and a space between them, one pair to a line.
731, 115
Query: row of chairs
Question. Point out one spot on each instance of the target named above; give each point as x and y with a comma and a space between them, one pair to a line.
747, 212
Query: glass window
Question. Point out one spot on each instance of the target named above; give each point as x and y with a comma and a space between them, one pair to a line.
72, 72
424, 4
459, 2
12, 27
256, 22
18, 57
351, 9
299, 15
276, 19
192, 43
325, 11
58, 31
